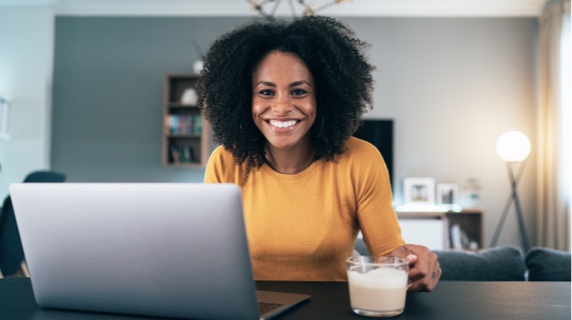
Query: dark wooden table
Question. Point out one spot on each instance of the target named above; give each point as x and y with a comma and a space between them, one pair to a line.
330, 300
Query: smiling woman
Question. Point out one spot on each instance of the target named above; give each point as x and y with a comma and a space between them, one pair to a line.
328, 55
284, 99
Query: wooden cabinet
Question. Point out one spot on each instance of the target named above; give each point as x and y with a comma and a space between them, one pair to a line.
186, 134
443, 229
465, 229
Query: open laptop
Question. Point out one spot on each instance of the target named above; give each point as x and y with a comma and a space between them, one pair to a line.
153, 249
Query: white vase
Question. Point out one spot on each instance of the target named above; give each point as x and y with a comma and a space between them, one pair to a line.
190, 97
198, 66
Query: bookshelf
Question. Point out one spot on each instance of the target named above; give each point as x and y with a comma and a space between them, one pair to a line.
186, 134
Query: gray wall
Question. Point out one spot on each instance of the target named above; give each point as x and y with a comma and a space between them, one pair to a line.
108, 87
452, 85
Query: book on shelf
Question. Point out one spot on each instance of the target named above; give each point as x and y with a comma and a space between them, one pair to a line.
197, 124
456, 241
182, 154
183, 124
460, 240
175, 154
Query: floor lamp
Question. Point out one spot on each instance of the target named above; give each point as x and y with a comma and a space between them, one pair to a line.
513, 147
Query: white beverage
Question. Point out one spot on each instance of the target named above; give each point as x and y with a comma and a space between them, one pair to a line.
381, 290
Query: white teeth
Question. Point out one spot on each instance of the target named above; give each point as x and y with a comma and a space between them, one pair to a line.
283, 124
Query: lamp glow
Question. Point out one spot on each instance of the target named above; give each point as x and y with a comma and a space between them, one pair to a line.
513, 146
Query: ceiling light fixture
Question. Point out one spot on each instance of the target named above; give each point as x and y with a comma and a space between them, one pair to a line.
306, 9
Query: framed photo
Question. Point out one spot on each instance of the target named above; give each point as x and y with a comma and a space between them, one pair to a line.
447, 194
418, 191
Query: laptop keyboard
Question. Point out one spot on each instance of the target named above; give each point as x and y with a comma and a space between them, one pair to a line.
264, 307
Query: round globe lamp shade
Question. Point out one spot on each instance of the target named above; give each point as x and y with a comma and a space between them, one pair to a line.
513, 146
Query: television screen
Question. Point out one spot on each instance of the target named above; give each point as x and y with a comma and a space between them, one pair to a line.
379, 133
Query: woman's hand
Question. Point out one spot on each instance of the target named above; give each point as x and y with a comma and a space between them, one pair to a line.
424, 270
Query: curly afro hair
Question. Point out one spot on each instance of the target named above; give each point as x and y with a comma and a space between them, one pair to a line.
332, 53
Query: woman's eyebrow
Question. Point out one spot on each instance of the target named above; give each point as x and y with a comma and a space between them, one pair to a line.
293, 84
297, 83
266, 83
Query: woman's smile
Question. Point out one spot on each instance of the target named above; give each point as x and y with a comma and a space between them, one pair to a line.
283, 124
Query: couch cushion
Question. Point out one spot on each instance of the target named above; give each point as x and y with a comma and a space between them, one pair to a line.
361, 248
493, 264
546, 264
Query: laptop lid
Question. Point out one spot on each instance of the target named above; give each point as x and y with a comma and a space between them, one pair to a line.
156, 249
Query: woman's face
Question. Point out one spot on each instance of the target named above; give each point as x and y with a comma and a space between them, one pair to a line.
283, 100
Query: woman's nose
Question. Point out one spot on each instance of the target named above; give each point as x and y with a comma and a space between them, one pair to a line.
282, 104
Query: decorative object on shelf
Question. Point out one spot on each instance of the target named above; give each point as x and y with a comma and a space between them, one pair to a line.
513, 147
190, 97
4, 112
471, 194
307, 9
418, 191
198, 64
447, 194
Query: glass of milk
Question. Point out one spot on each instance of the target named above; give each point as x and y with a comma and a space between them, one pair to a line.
377, 285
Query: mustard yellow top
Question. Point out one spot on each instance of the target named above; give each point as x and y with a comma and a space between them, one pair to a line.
303, 226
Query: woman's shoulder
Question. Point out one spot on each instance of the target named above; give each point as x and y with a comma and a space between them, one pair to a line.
220, 158
358, 146
221, 166
221, 152
361, 154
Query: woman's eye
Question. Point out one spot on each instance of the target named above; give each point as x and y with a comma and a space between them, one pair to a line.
266, 92
299, 92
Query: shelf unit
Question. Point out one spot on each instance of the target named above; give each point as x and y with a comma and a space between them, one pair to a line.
436, 227
186, 134
470, 222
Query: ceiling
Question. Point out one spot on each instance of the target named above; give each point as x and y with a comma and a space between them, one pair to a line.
355, 8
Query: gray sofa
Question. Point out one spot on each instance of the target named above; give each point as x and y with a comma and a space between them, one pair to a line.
506, 263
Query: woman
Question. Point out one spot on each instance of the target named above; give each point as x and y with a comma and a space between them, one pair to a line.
284, 99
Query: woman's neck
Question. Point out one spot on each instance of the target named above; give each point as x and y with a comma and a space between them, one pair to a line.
290, 161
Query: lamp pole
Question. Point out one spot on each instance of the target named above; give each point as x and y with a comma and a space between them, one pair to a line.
513, 197
513, 147
521, 227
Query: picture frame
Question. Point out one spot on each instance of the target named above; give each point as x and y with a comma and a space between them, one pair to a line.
418, 191
447, 194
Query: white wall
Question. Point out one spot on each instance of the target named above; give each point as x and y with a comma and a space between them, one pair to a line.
26, 63
452, 94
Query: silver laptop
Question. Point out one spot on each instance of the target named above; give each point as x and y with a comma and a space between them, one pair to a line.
153, 249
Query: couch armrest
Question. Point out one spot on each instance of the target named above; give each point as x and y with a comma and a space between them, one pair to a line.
546, 264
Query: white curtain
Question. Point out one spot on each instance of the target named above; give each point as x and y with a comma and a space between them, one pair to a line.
554, 127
